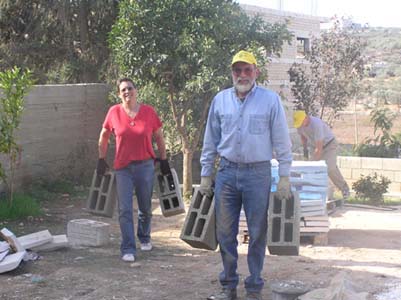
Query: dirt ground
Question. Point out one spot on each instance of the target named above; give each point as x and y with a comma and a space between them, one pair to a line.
365, 243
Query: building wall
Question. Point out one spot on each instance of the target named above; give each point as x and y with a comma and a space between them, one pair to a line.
59, 131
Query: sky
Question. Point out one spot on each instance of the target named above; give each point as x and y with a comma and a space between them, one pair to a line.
383, 13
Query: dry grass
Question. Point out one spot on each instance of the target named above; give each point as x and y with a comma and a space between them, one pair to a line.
353, 128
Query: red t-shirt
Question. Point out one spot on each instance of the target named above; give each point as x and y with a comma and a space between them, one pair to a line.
133, 135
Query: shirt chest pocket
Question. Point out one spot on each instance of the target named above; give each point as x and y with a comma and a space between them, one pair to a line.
226, 123
258, 124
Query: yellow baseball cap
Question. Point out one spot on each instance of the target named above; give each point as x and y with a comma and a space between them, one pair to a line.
299, 117
244, 56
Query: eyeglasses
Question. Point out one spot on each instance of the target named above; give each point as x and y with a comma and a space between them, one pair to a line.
238, 71
130, 88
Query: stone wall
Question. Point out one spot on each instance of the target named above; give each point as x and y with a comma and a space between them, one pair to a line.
59, 131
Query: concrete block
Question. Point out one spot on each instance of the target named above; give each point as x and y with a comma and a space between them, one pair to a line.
57, 242
199, 228
283, 237
357, 173
11, 261
11, 239
346, 172
102, 195
371, 163
84, 232
169, 191
4, 246
349, 162
35, 239
397, 176
392, 164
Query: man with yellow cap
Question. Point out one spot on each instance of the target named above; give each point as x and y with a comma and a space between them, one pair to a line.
246, 124
318, 133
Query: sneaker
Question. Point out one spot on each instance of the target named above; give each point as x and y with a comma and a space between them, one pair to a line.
128, 257
146, 247
253, 296
225, 294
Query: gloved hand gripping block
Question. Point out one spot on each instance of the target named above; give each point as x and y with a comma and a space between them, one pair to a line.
199, 229
170, 194
102, 195
283, 229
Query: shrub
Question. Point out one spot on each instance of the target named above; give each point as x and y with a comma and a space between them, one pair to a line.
371, 188
383, 151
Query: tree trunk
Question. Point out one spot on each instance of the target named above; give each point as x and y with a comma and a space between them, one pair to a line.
87, 74
187, 173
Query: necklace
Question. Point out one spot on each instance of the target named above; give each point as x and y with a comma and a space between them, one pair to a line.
132, 113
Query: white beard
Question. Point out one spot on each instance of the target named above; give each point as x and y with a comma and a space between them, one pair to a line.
243, 88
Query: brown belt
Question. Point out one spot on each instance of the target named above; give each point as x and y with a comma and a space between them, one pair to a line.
328, 143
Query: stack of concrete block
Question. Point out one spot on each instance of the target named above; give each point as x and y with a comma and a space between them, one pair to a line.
170, 197
283, 225
199, 229
84, 232
102, 195
310, 179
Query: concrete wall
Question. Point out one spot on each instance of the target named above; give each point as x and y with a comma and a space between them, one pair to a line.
59, 131
353, 167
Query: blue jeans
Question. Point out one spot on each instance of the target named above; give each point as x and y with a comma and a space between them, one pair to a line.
246, 185
136, 176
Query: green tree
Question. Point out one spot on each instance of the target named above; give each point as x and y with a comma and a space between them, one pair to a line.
384, 143
14, 84
179, 52
332, 77
60, 41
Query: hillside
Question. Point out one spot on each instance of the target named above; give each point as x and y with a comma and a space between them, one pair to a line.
383, 53
382, 86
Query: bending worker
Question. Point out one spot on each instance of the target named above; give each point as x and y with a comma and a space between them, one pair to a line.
321, 137
245, 123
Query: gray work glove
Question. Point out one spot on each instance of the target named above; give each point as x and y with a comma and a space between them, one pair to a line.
101, 167
206, 186
284, 188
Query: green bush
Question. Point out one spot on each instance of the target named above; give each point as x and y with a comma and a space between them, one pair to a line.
383, 151
371, 188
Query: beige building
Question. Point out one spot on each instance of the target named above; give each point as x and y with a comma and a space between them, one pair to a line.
304, 29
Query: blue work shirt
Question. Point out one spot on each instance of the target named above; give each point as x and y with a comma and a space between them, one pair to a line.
246, 131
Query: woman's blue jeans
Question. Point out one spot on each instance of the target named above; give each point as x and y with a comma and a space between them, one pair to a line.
136, 176
246, 185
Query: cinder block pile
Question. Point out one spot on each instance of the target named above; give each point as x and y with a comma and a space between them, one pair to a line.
13, 249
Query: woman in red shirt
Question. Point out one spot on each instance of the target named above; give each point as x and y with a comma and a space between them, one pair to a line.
133, 125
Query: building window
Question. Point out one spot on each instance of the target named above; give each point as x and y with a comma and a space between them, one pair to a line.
303, 46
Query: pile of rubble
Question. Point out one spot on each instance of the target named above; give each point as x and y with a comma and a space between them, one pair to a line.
80, 233
13, 250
